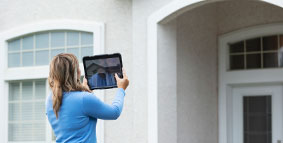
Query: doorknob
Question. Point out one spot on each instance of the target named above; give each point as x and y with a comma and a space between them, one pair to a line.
278, 141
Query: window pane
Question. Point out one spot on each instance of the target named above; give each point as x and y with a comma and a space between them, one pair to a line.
57, 39
260, 52
237, 47
237, 62
253, 45
14, 45
270, 60
42, 40
270, 43
87, 51
39, 131
27, 132
27, 58
28, 43
14, 132
40, 91
27, 90
37, 49
27, 111
280, 56
74, 51
56, 52
253, 61
86, 38
42, 57
281, 42
14, 112
39, 111
72, 38
14, 91
257, 119
13, 59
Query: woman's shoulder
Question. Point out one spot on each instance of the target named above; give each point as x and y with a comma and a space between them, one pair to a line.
85, 93
89, 97
79, 95
76, 94
73, 96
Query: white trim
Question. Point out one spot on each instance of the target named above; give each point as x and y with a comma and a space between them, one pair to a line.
227, 79
165, 14
48, 129
37, 72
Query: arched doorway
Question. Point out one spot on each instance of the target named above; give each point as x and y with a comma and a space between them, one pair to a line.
165, 31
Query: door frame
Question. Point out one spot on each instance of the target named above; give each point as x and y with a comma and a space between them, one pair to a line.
228, 79
274, 90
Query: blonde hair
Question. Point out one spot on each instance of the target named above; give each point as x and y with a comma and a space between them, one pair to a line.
64, 77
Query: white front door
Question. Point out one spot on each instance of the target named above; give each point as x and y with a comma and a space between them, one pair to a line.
257, 114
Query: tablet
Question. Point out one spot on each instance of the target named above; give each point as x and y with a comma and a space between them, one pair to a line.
100, 70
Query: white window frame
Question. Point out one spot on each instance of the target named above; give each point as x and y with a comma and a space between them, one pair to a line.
229, 79
39, 72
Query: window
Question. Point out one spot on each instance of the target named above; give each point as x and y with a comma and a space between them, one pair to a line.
26, 121
26, 117
257, 53
38, 48
28, 50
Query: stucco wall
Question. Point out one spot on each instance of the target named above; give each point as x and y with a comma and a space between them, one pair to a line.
241, 14
167, 82
142, 9
197, 76
117, 16
126, 26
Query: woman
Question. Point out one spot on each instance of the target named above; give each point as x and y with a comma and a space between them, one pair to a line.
72, 109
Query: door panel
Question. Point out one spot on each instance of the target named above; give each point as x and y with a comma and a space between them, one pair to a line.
257, 114
257, 119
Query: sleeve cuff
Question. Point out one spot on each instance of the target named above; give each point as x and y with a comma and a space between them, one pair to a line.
122, 91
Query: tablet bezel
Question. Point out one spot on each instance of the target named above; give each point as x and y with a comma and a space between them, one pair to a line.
104, 56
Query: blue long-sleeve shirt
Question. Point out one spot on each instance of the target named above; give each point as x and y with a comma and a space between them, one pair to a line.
78, 115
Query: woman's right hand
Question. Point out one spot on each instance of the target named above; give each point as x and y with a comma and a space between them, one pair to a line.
122, 82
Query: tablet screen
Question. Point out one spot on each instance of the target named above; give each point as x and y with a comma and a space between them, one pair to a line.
100, 72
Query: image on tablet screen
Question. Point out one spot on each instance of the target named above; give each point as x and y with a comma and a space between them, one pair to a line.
101, 72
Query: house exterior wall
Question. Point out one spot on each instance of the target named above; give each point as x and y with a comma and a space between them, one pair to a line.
242, 14
142, 9
117, 17
126, 32
167, 82
197, 76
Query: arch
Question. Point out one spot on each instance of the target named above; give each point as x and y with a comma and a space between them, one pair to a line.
165, 14
87, 26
